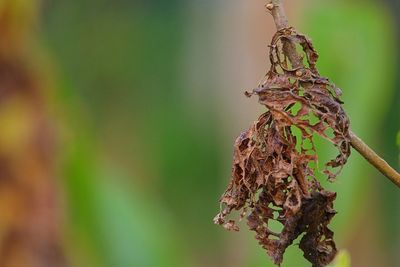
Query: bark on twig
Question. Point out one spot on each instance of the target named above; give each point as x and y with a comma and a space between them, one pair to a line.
373, 158
278, 13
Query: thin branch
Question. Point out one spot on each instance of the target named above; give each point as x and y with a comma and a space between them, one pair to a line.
289, 48
281, 22
374, 159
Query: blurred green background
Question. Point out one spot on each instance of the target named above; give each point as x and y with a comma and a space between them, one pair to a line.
146, 99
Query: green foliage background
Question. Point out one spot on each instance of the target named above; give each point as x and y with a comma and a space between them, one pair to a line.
143, 165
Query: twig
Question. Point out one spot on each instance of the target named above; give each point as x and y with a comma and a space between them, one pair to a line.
281, 22
289, 48
374, 159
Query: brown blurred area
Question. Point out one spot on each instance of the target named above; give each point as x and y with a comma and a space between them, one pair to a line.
29, 219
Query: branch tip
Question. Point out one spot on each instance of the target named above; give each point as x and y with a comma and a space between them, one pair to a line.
269, 6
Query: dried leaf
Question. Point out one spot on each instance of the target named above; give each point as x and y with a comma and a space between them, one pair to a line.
271, 177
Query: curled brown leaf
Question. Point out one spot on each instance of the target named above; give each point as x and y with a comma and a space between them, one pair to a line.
273, 174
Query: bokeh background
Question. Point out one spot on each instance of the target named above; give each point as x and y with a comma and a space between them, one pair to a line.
117, 120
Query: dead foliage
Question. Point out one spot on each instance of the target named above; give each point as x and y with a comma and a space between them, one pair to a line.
274, 168
30, 222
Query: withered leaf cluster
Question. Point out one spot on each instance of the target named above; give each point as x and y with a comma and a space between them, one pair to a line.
275, 160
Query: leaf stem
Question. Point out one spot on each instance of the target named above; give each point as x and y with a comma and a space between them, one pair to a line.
278, 13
